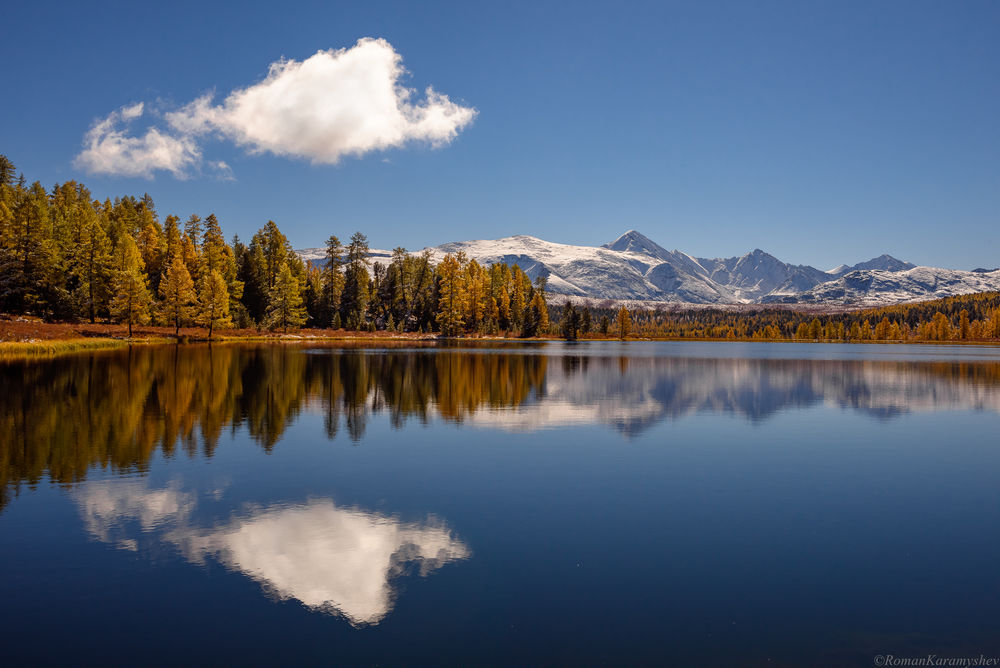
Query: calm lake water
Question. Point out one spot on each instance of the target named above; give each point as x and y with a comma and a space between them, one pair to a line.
600, 503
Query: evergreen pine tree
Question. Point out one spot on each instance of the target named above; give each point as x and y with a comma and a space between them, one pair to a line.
333, 283
355, 296
585, 320
570, 323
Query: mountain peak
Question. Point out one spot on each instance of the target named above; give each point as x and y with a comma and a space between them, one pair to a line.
633, 267
636, 242
884, 262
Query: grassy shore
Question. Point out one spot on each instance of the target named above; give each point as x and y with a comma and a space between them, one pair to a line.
25, 337
29, 337
9, 349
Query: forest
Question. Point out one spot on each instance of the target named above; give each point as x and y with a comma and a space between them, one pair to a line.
974, 317
66, 257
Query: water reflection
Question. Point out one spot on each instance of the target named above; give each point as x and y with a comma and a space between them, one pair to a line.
633, 394
59, 418
332, 559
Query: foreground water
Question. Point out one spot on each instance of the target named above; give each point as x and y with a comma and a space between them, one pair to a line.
699, 504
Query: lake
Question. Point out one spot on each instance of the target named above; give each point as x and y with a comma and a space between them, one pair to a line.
572, 504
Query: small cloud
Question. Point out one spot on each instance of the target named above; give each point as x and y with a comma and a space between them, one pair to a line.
336, 103
133, 112
109, 150
222, 171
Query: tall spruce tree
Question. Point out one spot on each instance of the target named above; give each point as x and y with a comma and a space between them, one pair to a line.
570, 323
333, 282
355, 296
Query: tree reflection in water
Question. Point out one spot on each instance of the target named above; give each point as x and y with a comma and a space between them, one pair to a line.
61, 417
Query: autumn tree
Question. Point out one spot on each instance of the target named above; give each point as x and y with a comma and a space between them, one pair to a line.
178, 298
623, 323
964, 328
285, 307
452, 296
94, 264
217, 255
131, 301
941, 327
539, 303
213, 302
476, 297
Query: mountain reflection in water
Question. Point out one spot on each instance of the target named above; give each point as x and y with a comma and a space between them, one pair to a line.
60, 417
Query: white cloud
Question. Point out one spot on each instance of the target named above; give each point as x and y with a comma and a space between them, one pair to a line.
108, 150
336, 103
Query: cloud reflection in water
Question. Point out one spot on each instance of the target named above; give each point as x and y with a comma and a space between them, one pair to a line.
333, 559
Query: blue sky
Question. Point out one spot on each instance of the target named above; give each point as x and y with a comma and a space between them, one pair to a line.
822, 132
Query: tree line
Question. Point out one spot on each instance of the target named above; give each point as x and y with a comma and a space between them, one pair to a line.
973, 317
65, 256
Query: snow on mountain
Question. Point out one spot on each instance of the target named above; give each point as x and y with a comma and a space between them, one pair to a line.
634, 267
634, 242
880, 287
757, 274
642, 270
882, 262
318, 255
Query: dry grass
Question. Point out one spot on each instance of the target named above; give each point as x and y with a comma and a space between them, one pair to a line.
13, 349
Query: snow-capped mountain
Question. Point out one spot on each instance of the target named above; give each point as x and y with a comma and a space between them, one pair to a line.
878, 287
634, 267
881, 263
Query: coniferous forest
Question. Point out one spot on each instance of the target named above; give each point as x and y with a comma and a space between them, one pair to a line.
66, 257
973, 317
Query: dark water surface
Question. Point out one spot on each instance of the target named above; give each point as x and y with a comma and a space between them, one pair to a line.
604, 503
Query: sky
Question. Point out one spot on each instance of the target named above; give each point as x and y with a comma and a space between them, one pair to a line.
821, 132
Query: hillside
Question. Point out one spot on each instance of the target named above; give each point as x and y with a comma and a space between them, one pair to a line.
634, 267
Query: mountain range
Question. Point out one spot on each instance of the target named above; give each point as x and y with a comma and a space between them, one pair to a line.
635, 268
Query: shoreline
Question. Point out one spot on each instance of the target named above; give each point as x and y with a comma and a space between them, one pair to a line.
58, 344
